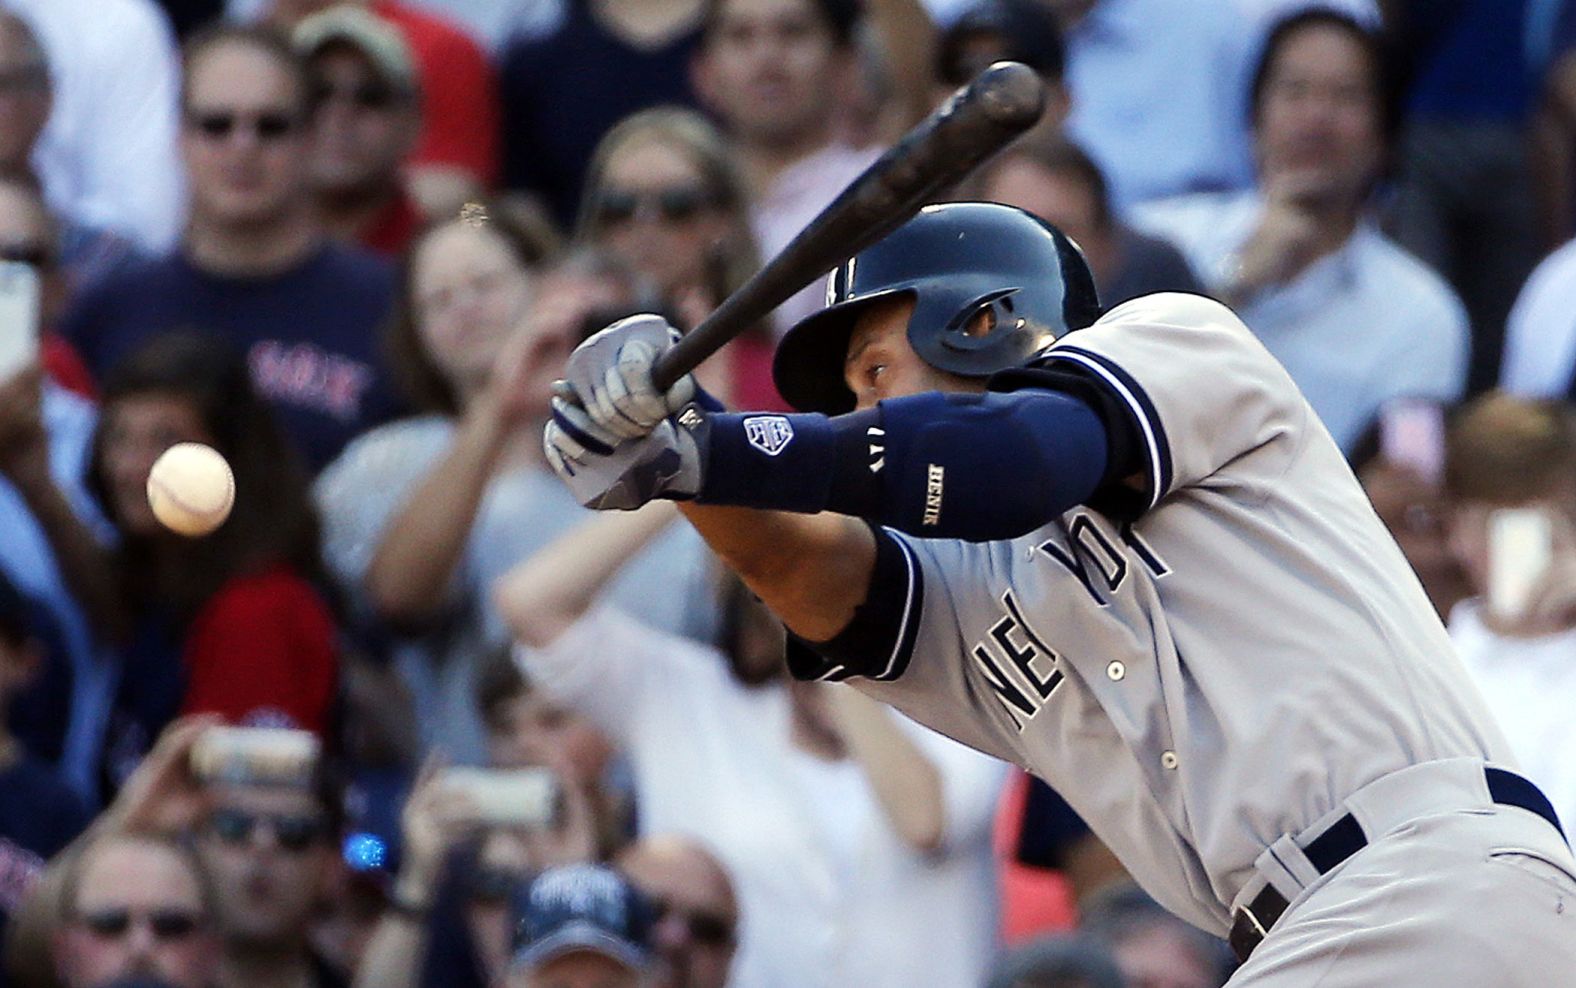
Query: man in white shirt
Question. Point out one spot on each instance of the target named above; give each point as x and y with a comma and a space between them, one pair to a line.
107, 156
1356, 320
1509, 460
1540, 335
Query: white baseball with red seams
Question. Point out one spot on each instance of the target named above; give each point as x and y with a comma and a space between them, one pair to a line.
191, 489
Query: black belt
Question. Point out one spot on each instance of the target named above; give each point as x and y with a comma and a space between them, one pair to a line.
1345, 837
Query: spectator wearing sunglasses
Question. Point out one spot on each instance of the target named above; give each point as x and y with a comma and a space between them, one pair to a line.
137, 909
696, 927
273, 854
664, 193
367, 120
254, 265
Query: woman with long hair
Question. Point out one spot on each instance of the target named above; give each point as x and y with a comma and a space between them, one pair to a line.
232, 622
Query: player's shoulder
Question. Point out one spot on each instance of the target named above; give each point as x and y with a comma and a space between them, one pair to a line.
1170, 311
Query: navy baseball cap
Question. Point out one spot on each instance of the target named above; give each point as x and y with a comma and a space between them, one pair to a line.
582, 907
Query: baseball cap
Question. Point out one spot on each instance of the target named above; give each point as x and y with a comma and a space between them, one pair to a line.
378, 40
582, 907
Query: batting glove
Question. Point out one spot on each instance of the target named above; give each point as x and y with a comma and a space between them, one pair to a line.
606, 473
610, 374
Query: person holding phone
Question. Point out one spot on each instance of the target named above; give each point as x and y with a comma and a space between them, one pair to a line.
1510, 473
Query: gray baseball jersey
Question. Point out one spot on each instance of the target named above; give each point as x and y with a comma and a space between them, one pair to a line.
1219, 672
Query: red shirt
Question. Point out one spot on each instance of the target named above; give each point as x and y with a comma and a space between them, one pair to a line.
392, 230
262, 650
459, 95
61, 362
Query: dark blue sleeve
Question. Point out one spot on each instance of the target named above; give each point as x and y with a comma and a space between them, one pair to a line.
978, 467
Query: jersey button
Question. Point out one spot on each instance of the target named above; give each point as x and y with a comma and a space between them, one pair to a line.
1168, 759
1115, 671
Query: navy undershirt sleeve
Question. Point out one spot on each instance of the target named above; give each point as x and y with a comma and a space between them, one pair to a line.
978, 467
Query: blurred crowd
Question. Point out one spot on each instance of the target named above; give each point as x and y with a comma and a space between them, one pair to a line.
350, 245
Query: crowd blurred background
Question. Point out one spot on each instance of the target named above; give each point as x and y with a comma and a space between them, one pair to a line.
349, 245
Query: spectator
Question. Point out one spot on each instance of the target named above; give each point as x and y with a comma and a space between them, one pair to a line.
29, 235
1356, 320
1126, 59
138, 910
1467, 196
1504, 455
564, 89
664, 194
1061, 962
1015, 30
697, 915
84, 251
273, 852
107, 156
582, 926
254, 265
769, 774
1153, 948
1062, 185
770, 71
231, 623
448, 924
368, 117
423, 514
1540, 335
39, 815
456, 157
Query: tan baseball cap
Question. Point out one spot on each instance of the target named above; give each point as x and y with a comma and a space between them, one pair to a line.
377, 39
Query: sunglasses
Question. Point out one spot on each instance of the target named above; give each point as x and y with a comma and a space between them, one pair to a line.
165, 924
365, 96
34, 255
293, 833
218, 125
706, 929
675, 204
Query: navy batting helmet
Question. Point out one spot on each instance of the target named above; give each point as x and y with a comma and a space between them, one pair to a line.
957, 260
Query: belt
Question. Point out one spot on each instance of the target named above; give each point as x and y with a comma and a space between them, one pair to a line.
1345, 837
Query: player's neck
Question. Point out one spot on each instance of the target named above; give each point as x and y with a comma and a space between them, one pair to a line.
259, 249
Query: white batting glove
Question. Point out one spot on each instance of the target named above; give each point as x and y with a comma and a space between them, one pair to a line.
610, 374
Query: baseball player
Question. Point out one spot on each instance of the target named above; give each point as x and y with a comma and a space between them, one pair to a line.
1123, 553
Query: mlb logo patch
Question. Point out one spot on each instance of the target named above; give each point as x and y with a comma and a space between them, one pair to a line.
770, 434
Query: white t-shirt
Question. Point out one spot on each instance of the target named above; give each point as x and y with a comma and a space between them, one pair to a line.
1540, 335
1530, 686
829, 895
107, 157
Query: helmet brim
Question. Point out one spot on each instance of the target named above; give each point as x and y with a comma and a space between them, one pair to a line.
808, 366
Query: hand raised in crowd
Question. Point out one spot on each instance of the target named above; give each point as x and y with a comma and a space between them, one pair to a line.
435, 818
164, 795
1285, 241
24, 446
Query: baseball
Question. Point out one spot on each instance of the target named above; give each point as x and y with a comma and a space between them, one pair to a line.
191, 489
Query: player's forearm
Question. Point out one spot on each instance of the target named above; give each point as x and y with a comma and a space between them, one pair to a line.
975, 467
907, 785
812, 571
425, 540
544, 594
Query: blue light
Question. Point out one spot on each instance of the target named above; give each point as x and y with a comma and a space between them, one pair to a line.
365, 852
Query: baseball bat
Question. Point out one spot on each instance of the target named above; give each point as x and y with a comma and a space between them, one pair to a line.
978, 120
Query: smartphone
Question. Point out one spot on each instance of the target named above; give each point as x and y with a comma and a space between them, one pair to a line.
525, 797
1520, 546
1412, 434
18, 317
256, 756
